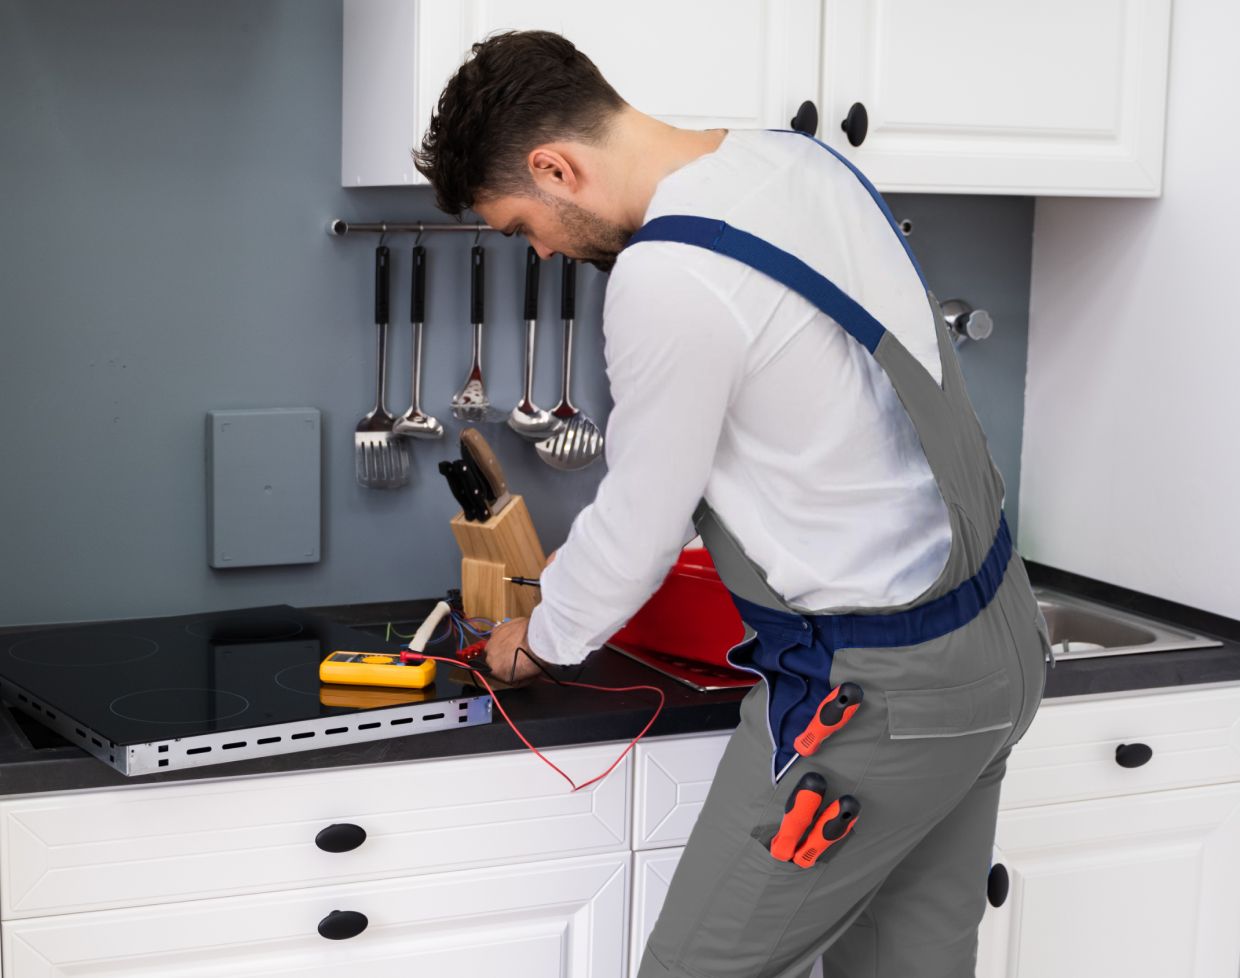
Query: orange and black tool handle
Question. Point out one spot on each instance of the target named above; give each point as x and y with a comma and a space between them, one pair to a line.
803, 805
832, 713
832, 826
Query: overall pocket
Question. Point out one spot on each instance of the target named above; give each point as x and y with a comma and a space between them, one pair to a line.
951, 711
745, 914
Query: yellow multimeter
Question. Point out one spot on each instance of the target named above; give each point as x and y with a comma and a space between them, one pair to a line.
375, 669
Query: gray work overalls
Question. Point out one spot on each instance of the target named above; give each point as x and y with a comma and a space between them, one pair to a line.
951, 681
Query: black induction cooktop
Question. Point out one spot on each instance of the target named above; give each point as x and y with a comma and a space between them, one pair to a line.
164, 693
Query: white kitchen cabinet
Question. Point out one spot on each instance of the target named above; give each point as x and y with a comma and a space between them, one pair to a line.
962, 96
1060, 97
746, 64
148, 844
1144, 886
1069, 751
558, 917
671, 776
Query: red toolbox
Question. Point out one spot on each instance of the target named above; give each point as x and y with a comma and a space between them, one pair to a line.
691, 615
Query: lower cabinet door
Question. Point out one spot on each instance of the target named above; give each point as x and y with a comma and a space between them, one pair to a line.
652, 872
564, 917
1143, 886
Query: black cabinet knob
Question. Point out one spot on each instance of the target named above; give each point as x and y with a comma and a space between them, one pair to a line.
340, 837
856, 124
806, 119
340, 925
1132, 755
997, 885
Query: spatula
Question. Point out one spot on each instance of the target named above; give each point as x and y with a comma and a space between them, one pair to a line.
381, 457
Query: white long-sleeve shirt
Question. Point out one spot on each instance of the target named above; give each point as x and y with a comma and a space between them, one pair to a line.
727, 385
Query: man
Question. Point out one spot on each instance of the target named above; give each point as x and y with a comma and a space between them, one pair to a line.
784, 385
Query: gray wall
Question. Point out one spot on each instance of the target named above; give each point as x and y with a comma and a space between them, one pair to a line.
167, 173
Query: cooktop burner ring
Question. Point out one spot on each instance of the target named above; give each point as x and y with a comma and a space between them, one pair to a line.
313, 678
165, 702
76, 651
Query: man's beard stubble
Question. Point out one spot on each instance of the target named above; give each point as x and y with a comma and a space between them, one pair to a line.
594, 240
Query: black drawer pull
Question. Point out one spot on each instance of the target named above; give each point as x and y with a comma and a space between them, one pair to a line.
340, 837
340, 925
806, 119
1132, 755
856, 124
997, 885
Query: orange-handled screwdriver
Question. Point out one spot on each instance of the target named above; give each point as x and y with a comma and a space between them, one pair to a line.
832, 713
832, 825
803, 805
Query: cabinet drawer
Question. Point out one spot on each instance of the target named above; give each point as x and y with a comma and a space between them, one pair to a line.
557, 917
1068, 752
161, 843
672, 776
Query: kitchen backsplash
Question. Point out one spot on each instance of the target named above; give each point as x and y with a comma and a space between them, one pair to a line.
164, 254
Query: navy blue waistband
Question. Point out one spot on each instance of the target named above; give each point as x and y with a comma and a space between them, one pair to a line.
934, 618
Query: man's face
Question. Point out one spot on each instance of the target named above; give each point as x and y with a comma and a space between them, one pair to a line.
554, 226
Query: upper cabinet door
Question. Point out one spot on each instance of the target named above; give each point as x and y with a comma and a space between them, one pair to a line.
699, 64
1058, 97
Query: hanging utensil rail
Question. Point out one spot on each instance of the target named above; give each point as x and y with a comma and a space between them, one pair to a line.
338, 228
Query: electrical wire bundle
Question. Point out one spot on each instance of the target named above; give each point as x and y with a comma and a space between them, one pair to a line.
472, 635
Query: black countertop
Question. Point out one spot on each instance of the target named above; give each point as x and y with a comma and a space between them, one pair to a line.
552, 716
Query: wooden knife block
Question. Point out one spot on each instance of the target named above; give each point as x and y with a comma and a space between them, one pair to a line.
506, 545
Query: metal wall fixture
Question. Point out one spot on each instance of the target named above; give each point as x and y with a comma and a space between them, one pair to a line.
338, 228
965, 322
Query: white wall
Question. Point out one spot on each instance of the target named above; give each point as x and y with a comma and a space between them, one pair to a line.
1131, 459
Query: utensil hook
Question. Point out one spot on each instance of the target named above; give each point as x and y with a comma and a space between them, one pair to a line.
418, 240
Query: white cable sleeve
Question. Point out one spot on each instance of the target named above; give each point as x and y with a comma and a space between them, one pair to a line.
423, 634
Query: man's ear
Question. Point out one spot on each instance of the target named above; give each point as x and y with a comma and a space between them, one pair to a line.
552, 170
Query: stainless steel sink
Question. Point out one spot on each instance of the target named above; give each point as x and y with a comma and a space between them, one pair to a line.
1082, 629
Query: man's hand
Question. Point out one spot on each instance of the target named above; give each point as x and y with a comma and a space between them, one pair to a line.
501, 652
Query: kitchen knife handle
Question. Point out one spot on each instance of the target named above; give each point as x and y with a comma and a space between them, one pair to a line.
382, 266
417, 301
568, 289
476, 269
531, 284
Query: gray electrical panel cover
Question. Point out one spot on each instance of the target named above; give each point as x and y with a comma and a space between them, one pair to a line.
263, 487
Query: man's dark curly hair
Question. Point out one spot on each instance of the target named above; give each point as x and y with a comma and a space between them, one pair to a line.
519, 90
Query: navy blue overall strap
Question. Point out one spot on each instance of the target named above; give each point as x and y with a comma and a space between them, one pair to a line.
878, 198
910, 627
